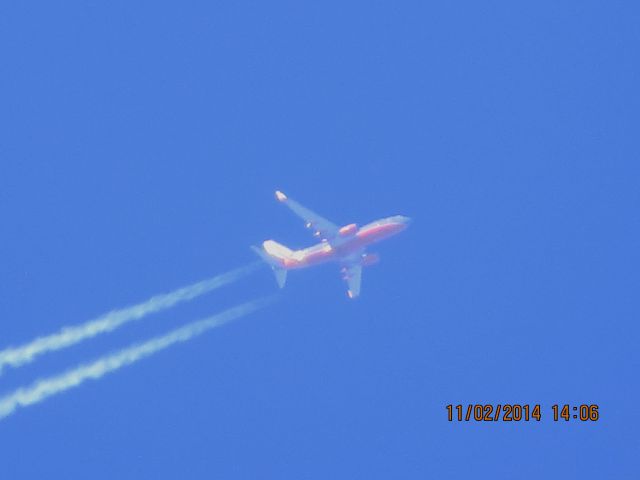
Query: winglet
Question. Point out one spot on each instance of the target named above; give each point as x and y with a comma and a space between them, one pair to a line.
280, 196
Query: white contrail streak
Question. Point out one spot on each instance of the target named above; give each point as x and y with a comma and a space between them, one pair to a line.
42, 389
67, 336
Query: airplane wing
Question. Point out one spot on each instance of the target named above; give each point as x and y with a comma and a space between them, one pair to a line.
352, 274
322, 227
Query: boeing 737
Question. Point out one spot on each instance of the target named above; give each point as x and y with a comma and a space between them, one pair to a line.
344, 245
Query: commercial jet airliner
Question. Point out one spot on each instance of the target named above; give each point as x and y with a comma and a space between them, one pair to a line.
344, 245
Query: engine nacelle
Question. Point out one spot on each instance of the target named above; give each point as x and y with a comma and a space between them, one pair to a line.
348, 230
370, 259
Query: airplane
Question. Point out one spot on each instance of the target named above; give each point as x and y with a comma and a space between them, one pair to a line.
345, 245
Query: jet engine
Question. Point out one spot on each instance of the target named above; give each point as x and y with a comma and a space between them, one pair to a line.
370, 259
348, 230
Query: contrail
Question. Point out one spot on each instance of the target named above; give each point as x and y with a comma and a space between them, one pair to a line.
42, 389
67, 336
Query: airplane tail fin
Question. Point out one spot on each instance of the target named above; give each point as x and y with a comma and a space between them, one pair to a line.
277, 250
275, 254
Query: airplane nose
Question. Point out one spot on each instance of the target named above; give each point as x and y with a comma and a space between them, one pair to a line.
402, 219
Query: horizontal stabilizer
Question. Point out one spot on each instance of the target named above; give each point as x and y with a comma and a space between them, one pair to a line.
281, 276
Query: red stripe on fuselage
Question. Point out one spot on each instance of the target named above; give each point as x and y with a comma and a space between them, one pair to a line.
375, 232
323, 252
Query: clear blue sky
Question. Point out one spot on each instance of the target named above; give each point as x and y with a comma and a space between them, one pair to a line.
139, 149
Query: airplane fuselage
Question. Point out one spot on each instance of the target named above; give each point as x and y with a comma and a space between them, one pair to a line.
351, 241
